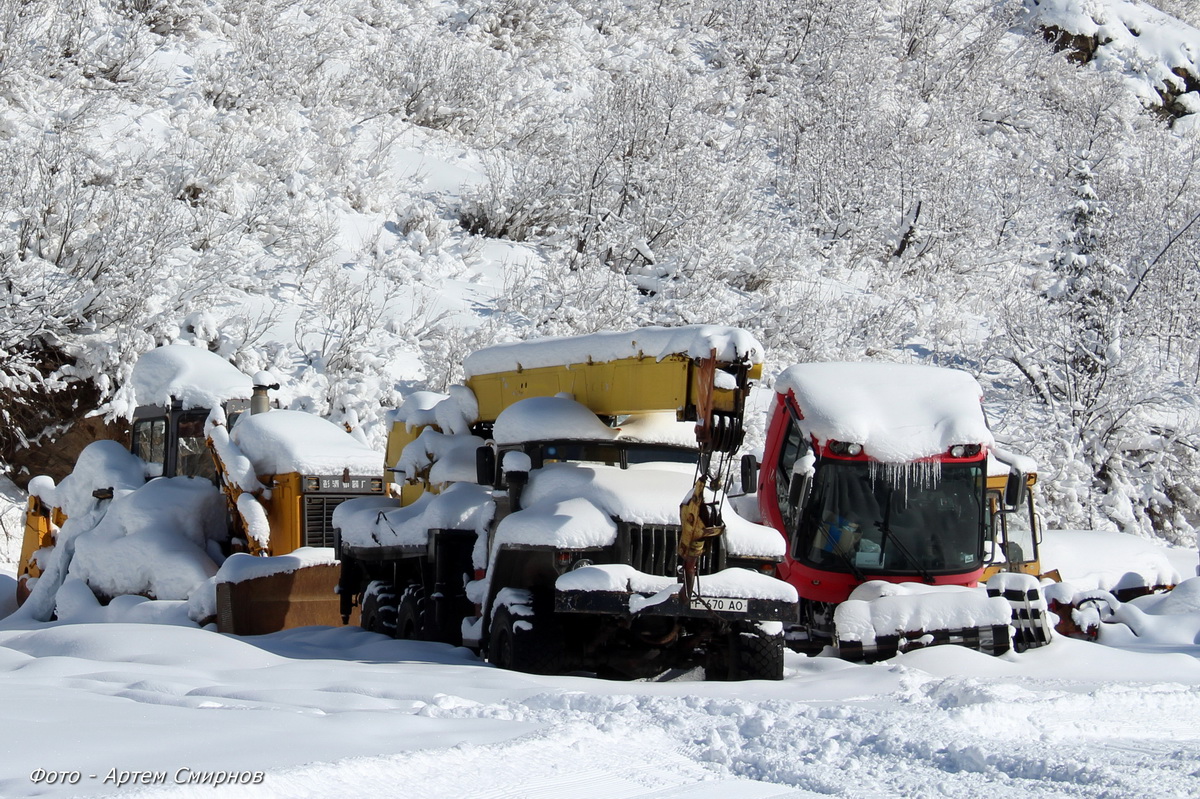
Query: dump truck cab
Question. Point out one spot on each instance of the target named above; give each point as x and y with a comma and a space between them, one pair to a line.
566, 545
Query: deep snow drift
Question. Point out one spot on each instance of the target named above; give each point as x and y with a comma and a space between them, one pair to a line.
325, 712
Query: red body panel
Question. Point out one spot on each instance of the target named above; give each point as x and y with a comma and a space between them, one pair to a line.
816, 584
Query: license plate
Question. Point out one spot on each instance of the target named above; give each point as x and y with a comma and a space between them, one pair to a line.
731, 604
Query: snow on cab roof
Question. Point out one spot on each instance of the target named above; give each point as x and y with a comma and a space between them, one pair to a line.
695, 341
194, 376
898, 412
280, 442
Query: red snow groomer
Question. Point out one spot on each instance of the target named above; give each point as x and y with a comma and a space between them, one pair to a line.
876, 474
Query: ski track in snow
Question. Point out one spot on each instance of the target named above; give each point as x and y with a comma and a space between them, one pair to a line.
334, 713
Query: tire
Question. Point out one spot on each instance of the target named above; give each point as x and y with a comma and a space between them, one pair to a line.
759, 656
379, 608
525, 643
410, 614
746, 653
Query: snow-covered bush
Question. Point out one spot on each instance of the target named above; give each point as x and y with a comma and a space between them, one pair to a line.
353, 195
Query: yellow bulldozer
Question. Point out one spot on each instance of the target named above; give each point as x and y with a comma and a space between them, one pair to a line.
251, 488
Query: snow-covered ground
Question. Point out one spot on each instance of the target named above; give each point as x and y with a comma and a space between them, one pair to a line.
322, 712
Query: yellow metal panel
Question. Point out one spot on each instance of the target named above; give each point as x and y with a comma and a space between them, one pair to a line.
39, 533
613, 388
399, 437
284, 512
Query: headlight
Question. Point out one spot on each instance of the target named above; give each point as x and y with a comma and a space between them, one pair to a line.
571, 559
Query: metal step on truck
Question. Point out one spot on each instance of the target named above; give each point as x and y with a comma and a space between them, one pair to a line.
564, 510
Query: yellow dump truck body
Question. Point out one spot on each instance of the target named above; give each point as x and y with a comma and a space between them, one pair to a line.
612, 388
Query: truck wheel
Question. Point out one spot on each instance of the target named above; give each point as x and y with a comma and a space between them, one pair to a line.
410, 614
746, 654
525, 643
759, 656
379, 608
504, 650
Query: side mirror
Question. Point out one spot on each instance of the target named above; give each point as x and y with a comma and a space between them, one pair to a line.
749, 474
485, 466
1014, 491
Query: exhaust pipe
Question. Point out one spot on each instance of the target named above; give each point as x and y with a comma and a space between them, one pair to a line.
260, 401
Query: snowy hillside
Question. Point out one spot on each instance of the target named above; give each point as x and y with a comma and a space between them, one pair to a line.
355, 194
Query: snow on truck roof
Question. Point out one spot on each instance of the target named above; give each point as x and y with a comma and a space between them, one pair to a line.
898, 412
193, 375
695, 341
281, 442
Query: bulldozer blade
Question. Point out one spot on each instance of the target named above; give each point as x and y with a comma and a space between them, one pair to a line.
259, 605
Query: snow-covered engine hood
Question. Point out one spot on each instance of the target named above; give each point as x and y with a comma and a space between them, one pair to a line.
573, 505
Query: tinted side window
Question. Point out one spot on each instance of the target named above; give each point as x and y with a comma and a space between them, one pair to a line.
794, 446
149, 440
194, 459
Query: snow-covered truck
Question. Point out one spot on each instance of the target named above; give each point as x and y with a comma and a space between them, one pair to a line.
564, 510
887, 486
215, 501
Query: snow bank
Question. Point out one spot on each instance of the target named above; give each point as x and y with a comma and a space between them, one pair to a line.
640, 495
452, 413
898, 412
1152, 48
881, 608
280, 442
574, 523
193, 375
695, 341
644, 494
998, 461
1103, 560
417, 409
76, 604
239, 471
1171, 618
658, 428
101, 465
448, 457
